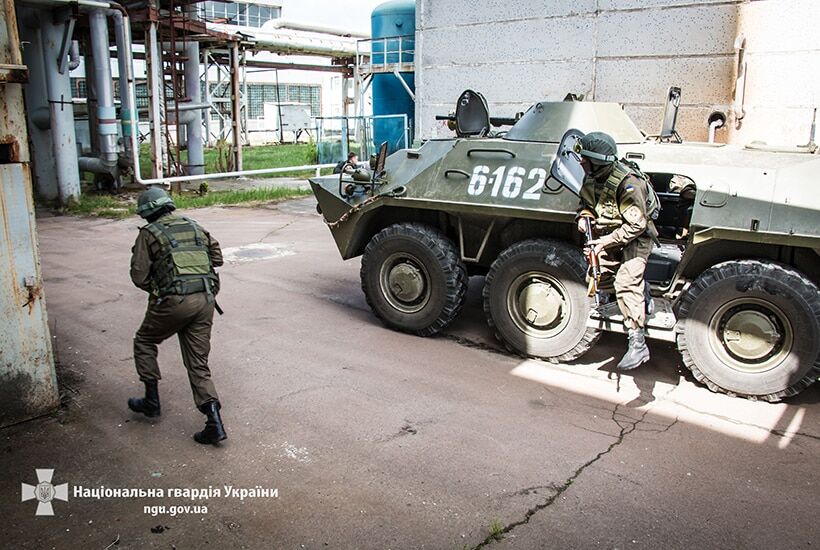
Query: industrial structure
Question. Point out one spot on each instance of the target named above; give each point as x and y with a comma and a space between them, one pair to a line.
89, 84
164, 75
745, 61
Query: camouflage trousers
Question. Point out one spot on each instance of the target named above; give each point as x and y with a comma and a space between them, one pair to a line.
622, 271
190, 318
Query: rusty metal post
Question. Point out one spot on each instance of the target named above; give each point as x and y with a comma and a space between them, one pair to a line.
28, 385
236, 108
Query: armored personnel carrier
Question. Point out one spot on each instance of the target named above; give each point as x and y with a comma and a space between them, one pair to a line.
735, 278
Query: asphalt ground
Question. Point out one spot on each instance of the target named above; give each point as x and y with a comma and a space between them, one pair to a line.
377, 439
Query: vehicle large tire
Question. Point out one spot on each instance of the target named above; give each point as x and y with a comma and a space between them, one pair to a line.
751, 328
536, 299
413, 278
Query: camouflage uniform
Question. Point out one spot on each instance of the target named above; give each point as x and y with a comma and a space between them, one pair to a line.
627, 241
189, 316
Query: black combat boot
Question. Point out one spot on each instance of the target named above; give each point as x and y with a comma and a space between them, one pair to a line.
637, 353
148, 405
214, 430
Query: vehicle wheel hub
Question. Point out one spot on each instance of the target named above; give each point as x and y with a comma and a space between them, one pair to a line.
750, 335
540, 304
406, 282
537, 303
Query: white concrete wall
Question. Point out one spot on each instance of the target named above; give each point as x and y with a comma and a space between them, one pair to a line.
630, 51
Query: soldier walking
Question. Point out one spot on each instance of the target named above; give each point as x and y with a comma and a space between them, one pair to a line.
173, 259
614, 200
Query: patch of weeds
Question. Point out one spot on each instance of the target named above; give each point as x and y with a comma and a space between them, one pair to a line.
496, 529
122, 206
106, 206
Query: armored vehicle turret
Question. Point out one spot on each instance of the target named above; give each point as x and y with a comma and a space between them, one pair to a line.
735, 278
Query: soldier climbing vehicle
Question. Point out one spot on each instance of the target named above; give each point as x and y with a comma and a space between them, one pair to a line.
735, 278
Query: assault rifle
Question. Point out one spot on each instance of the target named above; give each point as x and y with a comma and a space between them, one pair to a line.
592, 259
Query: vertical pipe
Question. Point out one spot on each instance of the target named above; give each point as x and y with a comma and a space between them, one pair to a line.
62, 114
155, 99
91, 100
208, 99
196, 151
39, 123
106, 111
244, 112
125, 97
236, 108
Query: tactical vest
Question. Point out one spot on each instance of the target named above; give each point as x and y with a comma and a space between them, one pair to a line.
606, 207
183, 265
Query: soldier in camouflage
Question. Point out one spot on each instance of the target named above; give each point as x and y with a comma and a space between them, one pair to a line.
614, 200
173, 259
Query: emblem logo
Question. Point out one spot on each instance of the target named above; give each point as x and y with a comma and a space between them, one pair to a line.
44, 492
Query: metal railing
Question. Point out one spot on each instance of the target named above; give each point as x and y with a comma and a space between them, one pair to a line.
386, 55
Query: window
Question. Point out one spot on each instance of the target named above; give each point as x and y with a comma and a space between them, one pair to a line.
260, 93
233, 13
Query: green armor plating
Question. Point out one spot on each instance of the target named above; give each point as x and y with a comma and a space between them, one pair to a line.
184, 265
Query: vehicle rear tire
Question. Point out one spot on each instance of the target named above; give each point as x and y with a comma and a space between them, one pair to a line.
413, 278
751, 328
536, 299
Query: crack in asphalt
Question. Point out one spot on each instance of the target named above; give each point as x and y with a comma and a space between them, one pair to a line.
627, 425
773, 431
271, 232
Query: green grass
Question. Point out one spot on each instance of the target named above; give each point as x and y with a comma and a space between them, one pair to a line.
496, 529
111, 206
256, 157
222, 198
106, 206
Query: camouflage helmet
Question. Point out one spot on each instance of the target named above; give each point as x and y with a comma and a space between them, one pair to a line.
152, 201
599, 148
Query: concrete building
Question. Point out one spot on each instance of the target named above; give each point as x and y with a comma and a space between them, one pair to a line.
752, 60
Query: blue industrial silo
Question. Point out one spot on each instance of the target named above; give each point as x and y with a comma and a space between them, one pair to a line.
393, 19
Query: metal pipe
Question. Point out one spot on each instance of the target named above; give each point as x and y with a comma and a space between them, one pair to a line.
83, 3
319, 29
404, 84
106, 111
196, 150
62, 114
284, 43
716, 120
91, 100
74, 55
36, 95
94, 165
134, 146
122, 69
714, 125
236, 107
154, 65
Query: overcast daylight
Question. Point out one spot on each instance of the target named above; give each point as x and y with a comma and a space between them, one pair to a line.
403, 274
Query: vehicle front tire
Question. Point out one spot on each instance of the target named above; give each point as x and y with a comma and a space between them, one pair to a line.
751, 328
535, 297
413, 278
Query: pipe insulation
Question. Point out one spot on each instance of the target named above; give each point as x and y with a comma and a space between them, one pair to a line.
125, 98
61, 111
131, 90
193, 129
106, 111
